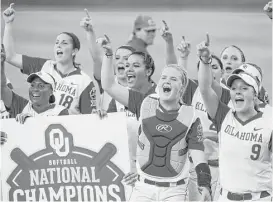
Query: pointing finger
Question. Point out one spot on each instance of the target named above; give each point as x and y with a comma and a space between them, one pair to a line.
107, 38
183, 38
165, 25
207, 43
87, 12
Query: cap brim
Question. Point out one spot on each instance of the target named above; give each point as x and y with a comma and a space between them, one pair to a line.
237, 71
245, 77
32, 76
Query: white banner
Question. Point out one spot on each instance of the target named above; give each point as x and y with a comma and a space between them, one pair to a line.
71, 158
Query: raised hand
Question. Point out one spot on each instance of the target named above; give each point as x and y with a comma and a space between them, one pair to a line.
106, 45
268, 9
205, 194
130, 179
184, 47
86, 22
203, 50
9, 14
165, 32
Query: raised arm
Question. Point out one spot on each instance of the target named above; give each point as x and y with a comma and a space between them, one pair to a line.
116, 91
94, 48
12, 57
184, 48
6, 92
168, 37
210, 98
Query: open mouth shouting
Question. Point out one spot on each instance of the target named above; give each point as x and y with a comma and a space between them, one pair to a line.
239, 100
59, 53
35, 95
228, 69
121, 68
166, 88
130, 77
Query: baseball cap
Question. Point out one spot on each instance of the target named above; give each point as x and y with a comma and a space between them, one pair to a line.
47, 78
248, 78
250, 69
144, 22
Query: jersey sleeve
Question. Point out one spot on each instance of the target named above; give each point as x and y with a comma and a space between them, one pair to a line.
88, 102
195, 136
189, 92
32, 64
270, 143
112, 107
17, 105
221, 113
135, 101
225, 97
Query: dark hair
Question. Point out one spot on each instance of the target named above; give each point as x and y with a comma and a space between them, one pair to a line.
148, 61
76, 44
240, 50
214, 57
130, 48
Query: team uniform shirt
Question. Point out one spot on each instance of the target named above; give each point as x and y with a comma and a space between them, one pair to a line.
192, 96
164, 138
244, 151
75, 91
21, 105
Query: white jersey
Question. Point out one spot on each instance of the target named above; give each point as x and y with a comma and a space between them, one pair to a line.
209, 129
55, 110
244, 151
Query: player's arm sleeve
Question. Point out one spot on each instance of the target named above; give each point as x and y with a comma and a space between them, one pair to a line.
88, 102
189, 92
17, 105
195, 136
64, 112
135, 101
112, 107
32, 64
225, 97
221, 113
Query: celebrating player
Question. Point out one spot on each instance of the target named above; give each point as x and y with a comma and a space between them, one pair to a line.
245, 135
41, 98
74, 89
161, 161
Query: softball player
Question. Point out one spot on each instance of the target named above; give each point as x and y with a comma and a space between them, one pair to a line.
41, 99
162, 162
245, 135
74, 89
232, 57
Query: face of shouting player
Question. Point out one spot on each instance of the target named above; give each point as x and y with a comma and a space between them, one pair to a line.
231, 59
63, 49
170, 85
136, 72
242, 96
217, 72
40, 92
120, 63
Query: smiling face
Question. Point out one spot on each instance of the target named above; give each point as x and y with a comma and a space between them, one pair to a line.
136, 72
40, 92
170, 85
63, 49
231, 59
121, 57
242, 95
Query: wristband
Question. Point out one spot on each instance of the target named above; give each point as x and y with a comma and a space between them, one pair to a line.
206, 63
203, 175
108, 55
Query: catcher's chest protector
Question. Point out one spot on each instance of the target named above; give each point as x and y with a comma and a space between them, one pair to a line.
162, 141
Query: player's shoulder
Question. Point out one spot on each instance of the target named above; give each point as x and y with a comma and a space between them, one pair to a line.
186, 114
84, 76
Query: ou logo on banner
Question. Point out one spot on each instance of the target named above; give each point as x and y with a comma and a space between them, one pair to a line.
164, 128
57, 143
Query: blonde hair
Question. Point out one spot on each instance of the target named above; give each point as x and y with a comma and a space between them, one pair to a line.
184, 78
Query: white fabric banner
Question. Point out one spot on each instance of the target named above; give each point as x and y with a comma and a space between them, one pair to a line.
69, 158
